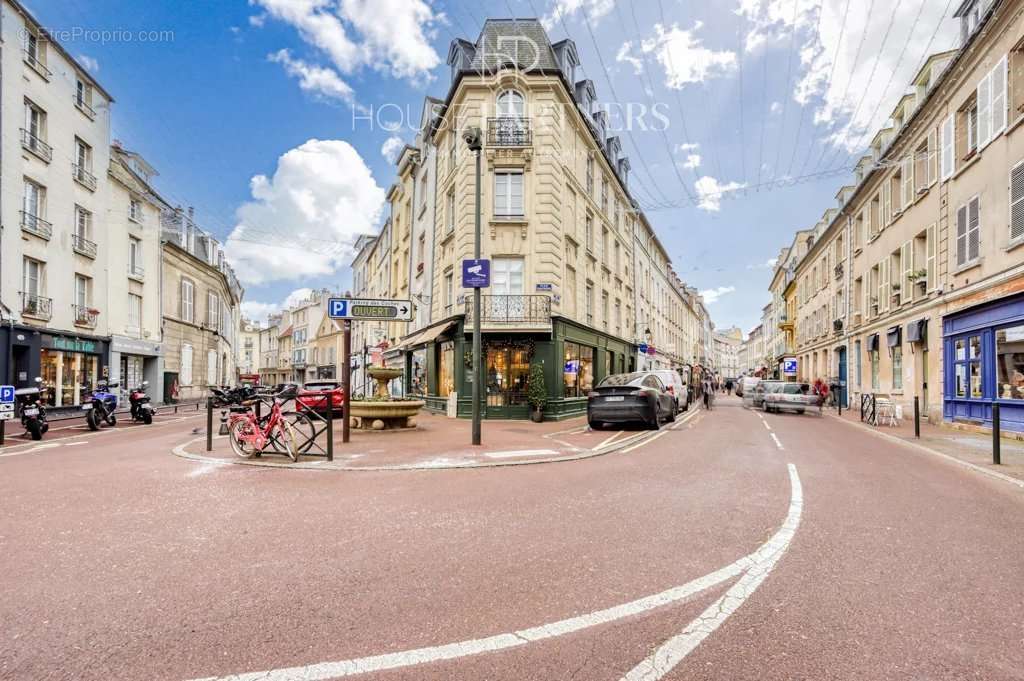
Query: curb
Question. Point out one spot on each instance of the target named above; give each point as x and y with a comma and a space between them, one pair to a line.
633, 441
934, 452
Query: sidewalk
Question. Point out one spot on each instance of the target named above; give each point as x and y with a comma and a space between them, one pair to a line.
440, 442
968, 447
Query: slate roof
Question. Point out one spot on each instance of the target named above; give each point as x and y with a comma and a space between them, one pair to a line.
523, 39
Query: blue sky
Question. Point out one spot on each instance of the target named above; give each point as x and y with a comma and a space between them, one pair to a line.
226, 103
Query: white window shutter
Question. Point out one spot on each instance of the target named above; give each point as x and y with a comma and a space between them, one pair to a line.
1017, 202
933, 159
973, 229
185, 374
947, 150
516, 193
211, 367
999, 98
883, 289
501, 194
906, 286
984, 92
931, 255
961, 235
886, 204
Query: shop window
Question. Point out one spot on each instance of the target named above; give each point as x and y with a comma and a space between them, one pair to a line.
897, 368
1010, 362
578, 370
967, 367
874, 369
418, 380
446, 370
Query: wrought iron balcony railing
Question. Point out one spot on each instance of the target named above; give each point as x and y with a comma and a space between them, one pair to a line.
33, 61
34, 144
136, 272
86, 316
36, 225
83, 246
512, 310
84, 107
83, 177
508, 131
36, 306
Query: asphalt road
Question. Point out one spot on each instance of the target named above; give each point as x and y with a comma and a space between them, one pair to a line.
862, 560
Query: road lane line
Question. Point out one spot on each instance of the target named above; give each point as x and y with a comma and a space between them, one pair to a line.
755, 565
766, 426
777, 443
675, 650
645, 441
520, 452
609, 439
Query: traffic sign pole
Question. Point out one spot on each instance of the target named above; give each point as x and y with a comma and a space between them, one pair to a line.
476, 317
346, 378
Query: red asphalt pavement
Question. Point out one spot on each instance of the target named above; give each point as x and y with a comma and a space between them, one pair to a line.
121, 561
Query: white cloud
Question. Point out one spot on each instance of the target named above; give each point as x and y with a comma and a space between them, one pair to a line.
838, 56
89, 63
683, 56
321, 197
766, 265
387, 35
625, 55
693, 146
258, 20
692, 161
710, 192
564, 9
712, 295
320, 81
260, 311
392, 146
776, 107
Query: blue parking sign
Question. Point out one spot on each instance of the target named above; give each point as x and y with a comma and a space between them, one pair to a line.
337, 308
6, 394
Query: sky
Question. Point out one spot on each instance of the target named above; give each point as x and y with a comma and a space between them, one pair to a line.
279, 120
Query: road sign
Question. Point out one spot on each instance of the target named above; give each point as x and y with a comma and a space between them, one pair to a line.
6, 410
370, 310
789, 366
6, 394
476, 273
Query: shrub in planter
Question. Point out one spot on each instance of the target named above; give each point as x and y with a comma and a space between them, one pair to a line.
536, 393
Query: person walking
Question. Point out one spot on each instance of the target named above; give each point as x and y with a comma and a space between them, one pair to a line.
709, 394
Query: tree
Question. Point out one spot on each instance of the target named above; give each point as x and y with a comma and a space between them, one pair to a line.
536, 390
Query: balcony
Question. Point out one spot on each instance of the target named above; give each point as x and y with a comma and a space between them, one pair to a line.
83, 246
83, 177
136, 272
32, 143
512, 311
36, 306
508, 131
86, 316
84, 107
36, 225
38, 66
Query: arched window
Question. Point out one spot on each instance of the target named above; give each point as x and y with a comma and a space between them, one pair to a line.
511, 103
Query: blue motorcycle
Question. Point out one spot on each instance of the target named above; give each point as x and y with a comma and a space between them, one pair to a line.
101, 406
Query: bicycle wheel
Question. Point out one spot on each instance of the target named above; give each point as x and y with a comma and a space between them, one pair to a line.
303, 428
238, 430
286, 436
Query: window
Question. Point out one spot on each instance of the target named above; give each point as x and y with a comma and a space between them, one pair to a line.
588, 236
507, 276
134, 255
618, 256
508, 193
134, 311
83, 156
874, 369
857, 362
83, 223
897, 367
211, 367
968, 232
604, 309
605, 251
453, 139
33, 284
35, 125
33, 202
990, 108
604, 195
1010, 362
423, 189
588, 303
512, 104
946, 151
618, 316
82, 291
135, 210
590, 175
212, 309
450, 203
187, 300
83, 93
185, 374
449, 294
967, 381
578, 370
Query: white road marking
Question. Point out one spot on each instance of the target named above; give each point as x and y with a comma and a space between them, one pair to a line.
673, 651
645, 441
204, 469
777, 443
609, 439
521, 452
76, 442
766, 426
755, 566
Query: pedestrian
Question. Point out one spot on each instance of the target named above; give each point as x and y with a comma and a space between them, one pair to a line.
709, 393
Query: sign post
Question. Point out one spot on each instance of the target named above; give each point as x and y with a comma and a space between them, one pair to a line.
6, 408
346, 378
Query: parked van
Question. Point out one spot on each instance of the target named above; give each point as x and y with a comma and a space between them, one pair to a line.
746, 386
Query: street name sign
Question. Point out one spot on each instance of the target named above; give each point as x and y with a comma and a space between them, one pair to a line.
370, 309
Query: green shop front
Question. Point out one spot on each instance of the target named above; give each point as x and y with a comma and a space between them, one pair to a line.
574, 357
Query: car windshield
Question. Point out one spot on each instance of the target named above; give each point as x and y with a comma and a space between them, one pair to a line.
792, 389
667, 377
621, 379
774, 388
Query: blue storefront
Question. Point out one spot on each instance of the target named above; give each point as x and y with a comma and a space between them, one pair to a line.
983, 356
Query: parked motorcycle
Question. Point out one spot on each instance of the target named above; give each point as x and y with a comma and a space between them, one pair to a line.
29, 406
101, 406
141, 409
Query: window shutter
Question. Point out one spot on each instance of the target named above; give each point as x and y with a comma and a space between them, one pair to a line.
883, 289
984, 93
999, 97
908, 181
501, 194
948, 159
961, 235
516, 193
185, 374
211, 367
886, 205
973, 229
931, 259
1017, 202
933, 159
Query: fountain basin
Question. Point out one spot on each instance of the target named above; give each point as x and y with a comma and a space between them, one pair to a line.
385, 414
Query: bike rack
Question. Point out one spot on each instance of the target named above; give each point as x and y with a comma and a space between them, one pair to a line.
321, 421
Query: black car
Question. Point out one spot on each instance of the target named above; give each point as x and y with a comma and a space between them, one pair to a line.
622, 398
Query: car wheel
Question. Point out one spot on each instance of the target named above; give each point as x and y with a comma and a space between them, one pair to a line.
595, 425
671, 414
686, 405
800, 411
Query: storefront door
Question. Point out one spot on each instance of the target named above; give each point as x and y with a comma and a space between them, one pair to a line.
507, 368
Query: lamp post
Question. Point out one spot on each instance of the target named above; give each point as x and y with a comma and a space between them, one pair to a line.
474, 140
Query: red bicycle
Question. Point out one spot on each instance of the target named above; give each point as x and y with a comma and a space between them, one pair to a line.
250, 436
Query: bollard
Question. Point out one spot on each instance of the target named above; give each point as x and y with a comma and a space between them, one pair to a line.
330, 427
209, 424
2, 427
917, 417
997, 458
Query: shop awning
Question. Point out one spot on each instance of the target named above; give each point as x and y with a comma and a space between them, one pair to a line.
873, 342
893, 337
917, 332
426, 336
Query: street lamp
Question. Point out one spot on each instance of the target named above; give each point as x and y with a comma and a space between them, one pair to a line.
473, 138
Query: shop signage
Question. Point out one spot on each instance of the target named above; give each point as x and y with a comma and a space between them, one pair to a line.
789, 366
476, 273
70, 344
572, 366
132, 346
370, 310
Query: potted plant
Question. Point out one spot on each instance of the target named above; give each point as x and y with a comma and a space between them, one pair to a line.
919, 277
536, 393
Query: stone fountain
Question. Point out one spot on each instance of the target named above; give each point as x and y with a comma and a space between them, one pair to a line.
383, 412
